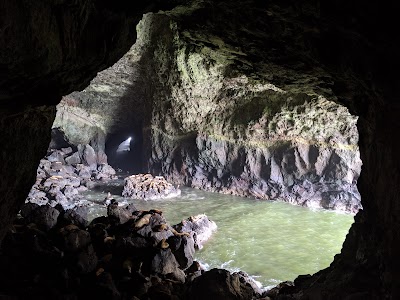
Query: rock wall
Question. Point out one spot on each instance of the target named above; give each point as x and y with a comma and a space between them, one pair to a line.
49, 49
209, 124
355, 42
216, 128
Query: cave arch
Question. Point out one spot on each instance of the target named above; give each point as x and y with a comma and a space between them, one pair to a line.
364, 80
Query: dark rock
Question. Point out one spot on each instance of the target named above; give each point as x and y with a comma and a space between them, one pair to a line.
44, 216
147, 187
119, 215
174, 243
185, 253
74, 239
86, 260
164, 263
104, 288
131, 208
77, 216
28, 208
220, 284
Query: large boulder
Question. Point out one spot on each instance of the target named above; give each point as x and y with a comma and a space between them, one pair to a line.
147, 187
222, 285
201, 226
45, 216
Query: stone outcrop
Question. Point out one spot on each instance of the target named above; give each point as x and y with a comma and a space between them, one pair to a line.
220, 130
50, 49
54, 47
147, 187
140, 256
201, 226
63, 173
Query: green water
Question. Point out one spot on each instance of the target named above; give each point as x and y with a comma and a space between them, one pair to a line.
271, 241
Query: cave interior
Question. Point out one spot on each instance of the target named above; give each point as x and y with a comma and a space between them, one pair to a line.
192, 68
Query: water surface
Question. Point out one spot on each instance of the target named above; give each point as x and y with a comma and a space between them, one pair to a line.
271, 241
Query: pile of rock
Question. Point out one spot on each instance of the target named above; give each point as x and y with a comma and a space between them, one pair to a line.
147, 187
129, 254
63, 173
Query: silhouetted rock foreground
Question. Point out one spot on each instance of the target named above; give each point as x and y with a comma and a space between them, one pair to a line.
50, 253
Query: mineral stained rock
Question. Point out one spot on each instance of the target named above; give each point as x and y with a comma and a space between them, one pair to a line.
147, 187
211, 123
63, 173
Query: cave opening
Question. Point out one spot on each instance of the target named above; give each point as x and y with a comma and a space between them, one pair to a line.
271, 145
124, 150
174, 167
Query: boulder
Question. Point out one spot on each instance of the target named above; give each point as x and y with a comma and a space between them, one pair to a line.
185, 253
147, 187
44, 216
222, 285
118, 214
73, 159
86, 260
201, 226
74, 239
78, 216
164, 263
89, 157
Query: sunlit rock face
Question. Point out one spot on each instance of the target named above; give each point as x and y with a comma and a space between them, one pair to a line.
49, 49
226, 126
348, 47
210, 124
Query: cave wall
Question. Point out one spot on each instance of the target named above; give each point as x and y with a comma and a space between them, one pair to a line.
210, 123
355, 42
49, 49
220, 124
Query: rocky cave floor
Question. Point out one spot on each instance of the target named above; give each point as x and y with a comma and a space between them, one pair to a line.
51, 253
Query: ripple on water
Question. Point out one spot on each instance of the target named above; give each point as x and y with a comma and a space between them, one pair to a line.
271, 241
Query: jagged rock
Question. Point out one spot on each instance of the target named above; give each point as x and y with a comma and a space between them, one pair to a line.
58, 183
164, 263
184, 254
73, 159
221, 284
89, 157
201, 226
118, 215
74, 239
104, 288
56, 156
67, 150
86, 260
147, 187
44, 216
77, 215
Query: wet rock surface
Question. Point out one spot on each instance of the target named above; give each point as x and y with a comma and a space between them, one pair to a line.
220, 129
65, 172
355, 43
142, 256
147, 187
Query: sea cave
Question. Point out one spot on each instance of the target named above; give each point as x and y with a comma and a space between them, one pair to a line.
271, 119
